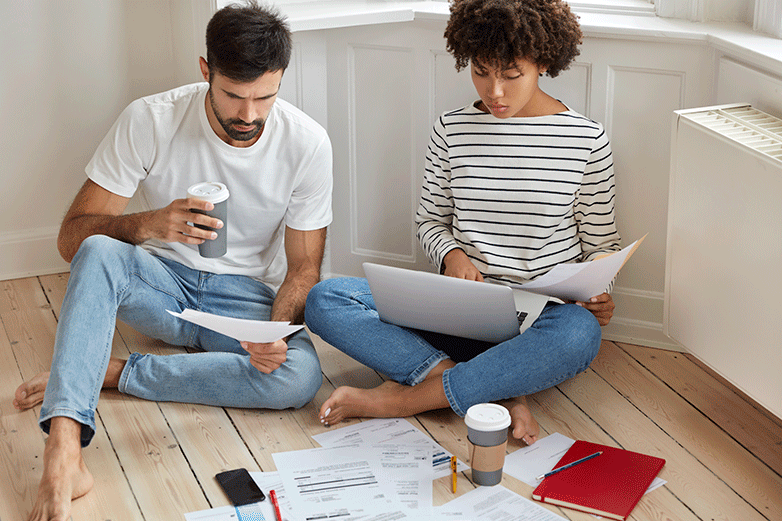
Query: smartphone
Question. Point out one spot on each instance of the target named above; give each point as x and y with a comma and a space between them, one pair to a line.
240, 487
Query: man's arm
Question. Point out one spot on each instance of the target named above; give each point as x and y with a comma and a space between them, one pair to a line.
304, 251
97, 211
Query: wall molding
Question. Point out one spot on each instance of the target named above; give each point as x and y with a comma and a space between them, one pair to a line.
30, 253
638, 319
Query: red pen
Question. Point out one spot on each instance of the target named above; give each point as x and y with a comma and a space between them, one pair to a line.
273, 495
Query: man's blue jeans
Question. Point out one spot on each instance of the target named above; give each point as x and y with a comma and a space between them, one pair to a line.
561, 343
111, 279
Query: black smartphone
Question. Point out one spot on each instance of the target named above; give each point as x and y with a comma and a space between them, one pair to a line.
240, 487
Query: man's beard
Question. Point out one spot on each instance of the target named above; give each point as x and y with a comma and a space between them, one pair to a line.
227, 124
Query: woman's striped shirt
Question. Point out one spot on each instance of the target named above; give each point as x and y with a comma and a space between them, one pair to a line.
518, 195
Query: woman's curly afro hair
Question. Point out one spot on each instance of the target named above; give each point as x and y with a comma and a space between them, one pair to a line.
498, 32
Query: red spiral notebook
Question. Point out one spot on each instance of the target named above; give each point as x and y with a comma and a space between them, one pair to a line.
608, 485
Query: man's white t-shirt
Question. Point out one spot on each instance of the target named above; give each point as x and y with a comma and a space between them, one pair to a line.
162, 144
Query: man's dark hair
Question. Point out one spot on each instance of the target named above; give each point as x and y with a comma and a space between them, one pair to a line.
498, 32
243, 42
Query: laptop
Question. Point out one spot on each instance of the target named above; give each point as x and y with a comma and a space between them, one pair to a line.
458, 307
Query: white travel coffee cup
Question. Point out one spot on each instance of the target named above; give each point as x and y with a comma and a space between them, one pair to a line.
217, 194
487, 438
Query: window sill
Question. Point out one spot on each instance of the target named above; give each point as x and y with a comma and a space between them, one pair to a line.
733, 38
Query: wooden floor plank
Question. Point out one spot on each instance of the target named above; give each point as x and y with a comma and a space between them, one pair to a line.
205, 434
759, 434
711, 446
31, 327
21, 442
632, 430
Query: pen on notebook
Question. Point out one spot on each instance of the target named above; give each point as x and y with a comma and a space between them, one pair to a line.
563, 467
273, 495
453, 474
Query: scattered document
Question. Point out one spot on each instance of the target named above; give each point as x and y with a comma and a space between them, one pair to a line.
381, 431
256, 331
581, 281
495, 503
338, 482
527, 463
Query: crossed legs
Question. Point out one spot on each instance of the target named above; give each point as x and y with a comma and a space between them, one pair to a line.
429, 371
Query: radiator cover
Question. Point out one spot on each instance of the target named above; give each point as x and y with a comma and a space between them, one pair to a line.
723, 283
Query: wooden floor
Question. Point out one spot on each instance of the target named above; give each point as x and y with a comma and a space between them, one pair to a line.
156, 461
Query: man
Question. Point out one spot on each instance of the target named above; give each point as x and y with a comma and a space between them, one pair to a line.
276, 163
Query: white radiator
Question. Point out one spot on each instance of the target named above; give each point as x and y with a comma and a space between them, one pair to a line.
723, 277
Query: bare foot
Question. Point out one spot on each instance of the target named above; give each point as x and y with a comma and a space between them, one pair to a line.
30, 393
65, 476
388, 400
525, 426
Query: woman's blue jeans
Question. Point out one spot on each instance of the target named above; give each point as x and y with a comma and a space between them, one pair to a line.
111, 279
561, 343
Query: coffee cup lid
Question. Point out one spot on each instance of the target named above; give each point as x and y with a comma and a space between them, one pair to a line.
487, 417
211, 191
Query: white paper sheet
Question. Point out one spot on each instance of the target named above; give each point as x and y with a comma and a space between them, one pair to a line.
527, 463
496, 503
581, 281
380, 431
257, 331
338, 482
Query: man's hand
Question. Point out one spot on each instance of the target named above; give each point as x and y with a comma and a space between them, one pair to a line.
458, 265
170, 224
267, 357
602, 306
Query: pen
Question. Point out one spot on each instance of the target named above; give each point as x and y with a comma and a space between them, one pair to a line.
563, 467
273, 495
453, 474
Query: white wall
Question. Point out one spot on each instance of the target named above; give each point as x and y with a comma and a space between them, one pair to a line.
69, 68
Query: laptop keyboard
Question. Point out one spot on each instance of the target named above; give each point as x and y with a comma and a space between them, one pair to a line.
521, 316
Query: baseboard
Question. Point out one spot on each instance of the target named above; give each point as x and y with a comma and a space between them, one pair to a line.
30, 253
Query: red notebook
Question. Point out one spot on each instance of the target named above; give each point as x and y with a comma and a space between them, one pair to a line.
608, 485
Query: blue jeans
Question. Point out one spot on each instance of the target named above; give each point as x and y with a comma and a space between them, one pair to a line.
111, 279
561, 343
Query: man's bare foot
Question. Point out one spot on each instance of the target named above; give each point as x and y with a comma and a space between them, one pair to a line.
525, 426
388, 400
30, 393
65, 476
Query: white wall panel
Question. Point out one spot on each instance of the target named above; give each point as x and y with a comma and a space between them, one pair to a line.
641, 138
738, 83
381, 161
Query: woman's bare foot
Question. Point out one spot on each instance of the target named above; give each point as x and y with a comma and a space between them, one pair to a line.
388, 400
65, 476
30, 393
525, 426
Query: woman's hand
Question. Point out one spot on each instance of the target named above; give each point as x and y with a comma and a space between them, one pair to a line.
602, 306
459, 266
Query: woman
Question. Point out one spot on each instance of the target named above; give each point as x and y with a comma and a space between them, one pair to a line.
515, 183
